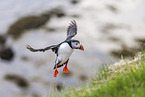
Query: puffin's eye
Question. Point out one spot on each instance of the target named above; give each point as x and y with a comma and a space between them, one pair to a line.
76, 43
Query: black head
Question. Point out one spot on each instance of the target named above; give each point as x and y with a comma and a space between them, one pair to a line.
75, 44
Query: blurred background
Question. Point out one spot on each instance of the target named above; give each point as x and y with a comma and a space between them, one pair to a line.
108, 29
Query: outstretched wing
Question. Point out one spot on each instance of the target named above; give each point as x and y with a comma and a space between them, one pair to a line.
54, 48
72, 30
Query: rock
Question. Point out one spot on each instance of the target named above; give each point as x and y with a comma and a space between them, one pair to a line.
141, 43
125, 52
2, 39
27, 23
83, 78
74, 1
112, 8
57, 11
18, 80
59, 87
6, 54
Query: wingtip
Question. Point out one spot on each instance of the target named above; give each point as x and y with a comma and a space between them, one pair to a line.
28, 46
73, 22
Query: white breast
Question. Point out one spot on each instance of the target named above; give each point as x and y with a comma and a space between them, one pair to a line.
64, 52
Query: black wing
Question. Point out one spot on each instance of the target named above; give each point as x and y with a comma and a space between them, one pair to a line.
72, 30
54, 48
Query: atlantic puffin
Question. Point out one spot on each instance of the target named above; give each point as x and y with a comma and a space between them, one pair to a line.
64, 49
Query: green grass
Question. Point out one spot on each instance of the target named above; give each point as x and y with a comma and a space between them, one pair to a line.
123, 79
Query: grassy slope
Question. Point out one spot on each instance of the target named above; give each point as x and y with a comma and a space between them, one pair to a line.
123, 79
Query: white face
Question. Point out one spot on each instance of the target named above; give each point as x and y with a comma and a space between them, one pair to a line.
75, 45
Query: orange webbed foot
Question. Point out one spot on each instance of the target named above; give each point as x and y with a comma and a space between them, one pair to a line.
55, 73
65, 69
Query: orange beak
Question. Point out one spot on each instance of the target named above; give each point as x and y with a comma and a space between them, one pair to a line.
81, 47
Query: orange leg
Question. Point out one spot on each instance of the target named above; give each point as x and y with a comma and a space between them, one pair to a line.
55, 72
65, 69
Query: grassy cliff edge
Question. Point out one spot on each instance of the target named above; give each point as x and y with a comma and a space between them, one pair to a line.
123, 79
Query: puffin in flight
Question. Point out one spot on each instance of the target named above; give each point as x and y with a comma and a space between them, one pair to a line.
64, 49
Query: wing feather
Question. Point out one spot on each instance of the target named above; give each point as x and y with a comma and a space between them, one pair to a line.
72, 30
53, 47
